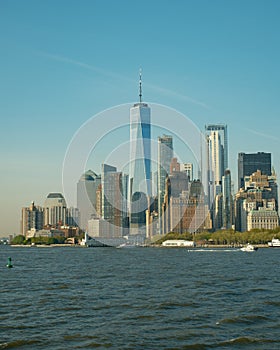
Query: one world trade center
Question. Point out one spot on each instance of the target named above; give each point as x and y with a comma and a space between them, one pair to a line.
140, 161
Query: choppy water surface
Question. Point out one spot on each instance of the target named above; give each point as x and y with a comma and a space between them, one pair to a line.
142, 298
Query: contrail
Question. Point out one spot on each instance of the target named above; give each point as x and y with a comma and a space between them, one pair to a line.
161, 90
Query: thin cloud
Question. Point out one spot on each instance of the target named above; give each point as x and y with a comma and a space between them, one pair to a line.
81, 64
107, 73
258, 133
178, 95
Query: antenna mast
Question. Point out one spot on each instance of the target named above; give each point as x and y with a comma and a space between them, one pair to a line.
140, 85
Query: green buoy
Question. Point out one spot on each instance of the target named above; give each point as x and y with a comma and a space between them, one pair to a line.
9, 263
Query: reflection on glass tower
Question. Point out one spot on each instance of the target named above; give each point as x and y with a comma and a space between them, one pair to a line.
140, 160
165, 154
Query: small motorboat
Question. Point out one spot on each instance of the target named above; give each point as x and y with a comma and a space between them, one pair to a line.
248, 248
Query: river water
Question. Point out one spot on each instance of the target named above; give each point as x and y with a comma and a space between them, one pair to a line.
139, 298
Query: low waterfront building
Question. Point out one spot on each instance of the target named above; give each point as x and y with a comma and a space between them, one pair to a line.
44, 233
262, 219
178, 243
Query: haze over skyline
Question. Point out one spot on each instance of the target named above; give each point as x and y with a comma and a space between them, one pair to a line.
63, 62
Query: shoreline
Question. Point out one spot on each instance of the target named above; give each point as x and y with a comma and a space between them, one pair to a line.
209, 246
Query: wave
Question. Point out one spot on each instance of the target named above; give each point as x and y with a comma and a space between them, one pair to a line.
245, 340
214, 250
17, 343
244, 319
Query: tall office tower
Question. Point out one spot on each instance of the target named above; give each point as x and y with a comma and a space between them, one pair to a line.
188, 168
165, 154
222, 131
112, 199
86, 196
216, 155
217, 141
227, 200
31, 217
248, 163
55, 210
140, 161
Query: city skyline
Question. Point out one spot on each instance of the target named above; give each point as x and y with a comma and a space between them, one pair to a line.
214, 63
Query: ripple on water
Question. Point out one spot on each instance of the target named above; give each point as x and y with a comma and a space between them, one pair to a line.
18, 343
246, 341
146, 299
244, 319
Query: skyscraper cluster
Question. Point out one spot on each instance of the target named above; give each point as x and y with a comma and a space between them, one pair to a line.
53, 218
146, 202
130, 204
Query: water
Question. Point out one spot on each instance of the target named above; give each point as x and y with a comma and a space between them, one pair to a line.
142, 298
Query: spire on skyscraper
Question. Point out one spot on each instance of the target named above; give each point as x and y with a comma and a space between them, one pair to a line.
140, 85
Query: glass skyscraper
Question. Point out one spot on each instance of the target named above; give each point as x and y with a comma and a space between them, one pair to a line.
112, 199
165, 154
248, 163
86, 196
140, 160
227, 200
217, 142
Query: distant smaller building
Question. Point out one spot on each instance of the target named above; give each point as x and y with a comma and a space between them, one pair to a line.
188, 168
55, 209
178, 243
99, 228
31, 217
44, 233
263, 219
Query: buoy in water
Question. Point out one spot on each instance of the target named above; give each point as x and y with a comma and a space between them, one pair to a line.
9, 263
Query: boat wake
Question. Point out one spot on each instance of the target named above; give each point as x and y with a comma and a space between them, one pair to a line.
214, 250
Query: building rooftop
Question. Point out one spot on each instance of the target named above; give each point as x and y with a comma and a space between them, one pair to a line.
55, 195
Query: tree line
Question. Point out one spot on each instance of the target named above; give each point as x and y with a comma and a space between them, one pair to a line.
225, 237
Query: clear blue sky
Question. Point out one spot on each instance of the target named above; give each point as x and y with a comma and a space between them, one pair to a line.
64, 61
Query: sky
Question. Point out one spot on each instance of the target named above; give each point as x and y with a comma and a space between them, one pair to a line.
63, 62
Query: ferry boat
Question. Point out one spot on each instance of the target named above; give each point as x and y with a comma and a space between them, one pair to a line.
275, 242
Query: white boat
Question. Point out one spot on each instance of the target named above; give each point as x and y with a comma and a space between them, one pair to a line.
248, 248
275, 242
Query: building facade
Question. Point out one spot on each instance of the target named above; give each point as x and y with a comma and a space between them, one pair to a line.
188, 168
55, 210
217, 163
248, 163
259, 193
32, 217
140, 161
165, 154
227, 209
262, 219
112, 199
86, 196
